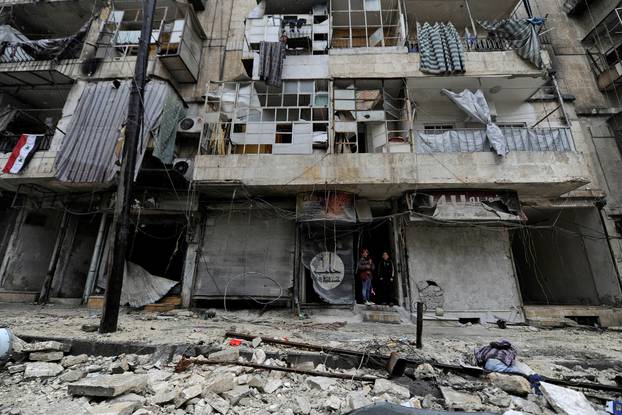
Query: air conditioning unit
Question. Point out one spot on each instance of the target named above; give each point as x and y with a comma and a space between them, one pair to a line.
190, 126
184, 166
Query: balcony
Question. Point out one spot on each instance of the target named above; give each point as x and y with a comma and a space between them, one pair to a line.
177, 38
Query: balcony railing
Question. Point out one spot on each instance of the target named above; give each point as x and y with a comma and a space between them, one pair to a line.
471, 140
8, 142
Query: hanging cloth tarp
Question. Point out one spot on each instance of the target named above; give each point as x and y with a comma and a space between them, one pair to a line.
521, 34
440, 49
476, 107
172, 113
91, 148
271, 57
14, 45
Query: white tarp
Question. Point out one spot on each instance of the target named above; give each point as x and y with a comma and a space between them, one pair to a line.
475, 106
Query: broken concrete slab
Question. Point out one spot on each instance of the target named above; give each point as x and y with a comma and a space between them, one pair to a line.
129, 397
234, 395
186, 394
320, 382
301, 405
16, 368
272, 385
226, 355
460, 400
357, 400
45, 356
42, 370
72, 375
108, 385
220, 383
566, 401
259, 357
45, 347
386, 386
425, 371
219, 404
164, 396
118, 408
69, 361
516, 385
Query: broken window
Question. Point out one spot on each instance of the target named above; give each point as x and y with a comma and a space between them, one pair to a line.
366, 23
254, 118
371, 116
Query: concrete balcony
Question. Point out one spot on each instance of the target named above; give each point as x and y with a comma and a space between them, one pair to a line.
534, 174
399, 64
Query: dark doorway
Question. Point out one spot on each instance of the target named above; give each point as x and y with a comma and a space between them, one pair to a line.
158, 244
376, 237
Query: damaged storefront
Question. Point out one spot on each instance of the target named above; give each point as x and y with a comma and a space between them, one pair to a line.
459, 254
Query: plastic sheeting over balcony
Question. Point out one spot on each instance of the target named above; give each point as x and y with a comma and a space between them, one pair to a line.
474, 140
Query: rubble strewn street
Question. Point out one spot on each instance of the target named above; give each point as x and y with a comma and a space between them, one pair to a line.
51, 378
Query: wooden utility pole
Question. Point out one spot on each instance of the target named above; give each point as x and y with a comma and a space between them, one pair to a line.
123, 202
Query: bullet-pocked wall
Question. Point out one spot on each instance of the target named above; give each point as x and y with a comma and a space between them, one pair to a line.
466, 272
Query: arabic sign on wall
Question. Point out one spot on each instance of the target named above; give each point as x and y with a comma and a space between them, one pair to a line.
464, 205
327, 270
333, 206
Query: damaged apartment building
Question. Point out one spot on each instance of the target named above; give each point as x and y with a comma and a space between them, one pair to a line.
472, 141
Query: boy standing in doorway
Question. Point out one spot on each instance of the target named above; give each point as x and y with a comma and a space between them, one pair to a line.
386, 275
364, 270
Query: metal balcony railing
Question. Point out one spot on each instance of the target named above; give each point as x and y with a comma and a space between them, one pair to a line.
8, 142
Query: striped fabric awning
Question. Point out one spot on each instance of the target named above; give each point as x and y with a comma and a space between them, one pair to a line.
440, 49
521, 34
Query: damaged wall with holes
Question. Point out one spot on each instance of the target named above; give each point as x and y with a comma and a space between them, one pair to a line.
463, 272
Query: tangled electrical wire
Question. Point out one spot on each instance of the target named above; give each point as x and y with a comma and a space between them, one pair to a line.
250, 297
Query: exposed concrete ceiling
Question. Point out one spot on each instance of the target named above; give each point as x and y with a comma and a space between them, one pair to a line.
513, 89
289, 6
456, 12
57, 19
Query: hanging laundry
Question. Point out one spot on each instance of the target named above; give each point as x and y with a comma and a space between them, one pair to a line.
521, 34
22, 153
440, 48
271, 56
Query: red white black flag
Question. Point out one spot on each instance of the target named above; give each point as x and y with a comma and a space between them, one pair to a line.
22, 152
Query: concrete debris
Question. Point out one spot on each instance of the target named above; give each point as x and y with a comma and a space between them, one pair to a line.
256, 341
108, 385
319, 382
272, 385
460, 400
516, 385
42, 370
220, 383
566, 401
69, 361
301, 405
72, 375
46, 356
425, 371
382, 386
17, 368
259, 357
226, 355
164, 396
118, 408
234, 395
186, 394
219, 404
357, 400
44, 347
120, 366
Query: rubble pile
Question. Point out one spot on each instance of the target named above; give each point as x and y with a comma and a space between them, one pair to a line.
52, 382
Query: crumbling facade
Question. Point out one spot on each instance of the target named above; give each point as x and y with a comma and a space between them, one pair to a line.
281, 138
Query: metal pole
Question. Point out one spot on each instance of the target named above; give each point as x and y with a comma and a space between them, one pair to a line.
95, 260
110, 313
44, 295
561, 100
419, 324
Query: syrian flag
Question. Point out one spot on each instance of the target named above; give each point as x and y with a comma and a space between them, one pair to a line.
22, 152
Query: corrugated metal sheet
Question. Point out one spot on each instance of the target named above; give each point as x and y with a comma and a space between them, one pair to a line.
88, 150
